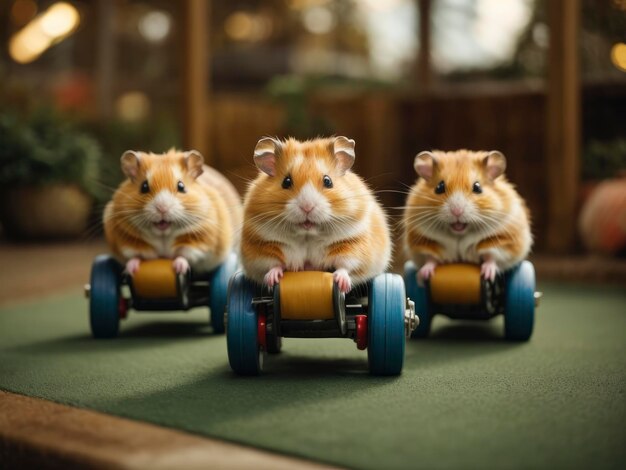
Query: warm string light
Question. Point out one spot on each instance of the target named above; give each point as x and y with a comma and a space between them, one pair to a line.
45, 30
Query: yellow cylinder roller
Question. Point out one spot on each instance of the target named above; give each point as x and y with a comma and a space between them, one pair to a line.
306, 295
457, 284
155, 279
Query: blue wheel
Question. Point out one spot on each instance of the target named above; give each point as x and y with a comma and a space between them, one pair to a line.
419, 295
218, 291
104, 297
244, 353
386, 305
519, 302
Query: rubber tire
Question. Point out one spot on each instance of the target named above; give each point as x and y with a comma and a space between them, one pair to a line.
218, 291
419, 295
104, 297
241, 332
519, 303
386, 341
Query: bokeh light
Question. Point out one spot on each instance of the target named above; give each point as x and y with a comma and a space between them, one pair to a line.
244, 26
618, 56
318, 20
155, 26
239, 26
48, 28
133, 106
59, 20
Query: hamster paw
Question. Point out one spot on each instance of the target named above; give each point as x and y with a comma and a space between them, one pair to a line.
488, 270
426, 272
180, 265
132, 266
342, 279
273, 276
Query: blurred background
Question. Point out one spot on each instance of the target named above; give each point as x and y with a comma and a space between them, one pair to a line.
543, 81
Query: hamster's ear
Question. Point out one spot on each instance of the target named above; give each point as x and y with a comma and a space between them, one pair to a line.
425, 164
265, 155
193, 162
343, 148
130, 164
494, 164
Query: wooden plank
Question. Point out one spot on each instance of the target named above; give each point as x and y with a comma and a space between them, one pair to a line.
36, 433
424, 72
105, 56
563, 116
195, 89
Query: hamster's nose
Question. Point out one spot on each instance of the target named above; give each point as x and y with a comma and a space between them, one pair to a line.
162, 208
456, 211
307, 208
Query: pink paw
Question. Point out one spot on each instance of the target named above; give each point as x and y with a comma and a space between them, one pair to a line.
273, 276
488, 270
132, 266
180, 265
342, 279
426, 272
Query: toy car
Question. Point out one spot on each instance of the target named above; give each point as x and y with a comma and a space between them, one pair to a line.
459, 292
377, 316
154, 287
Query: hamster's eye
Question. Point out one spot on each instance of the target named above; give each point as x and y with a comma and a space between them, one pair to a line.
144, 187
477, 188
328, 183
441, 188
287, 182
181, 187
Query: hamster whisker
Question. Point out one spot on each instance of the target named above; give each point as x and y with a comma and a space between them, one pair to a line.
277, 221
408, 187
245, 179
393, 191
425, 221
494, 228
103, 185
431, 224
264, 216
492, 220
411, 207
421, 217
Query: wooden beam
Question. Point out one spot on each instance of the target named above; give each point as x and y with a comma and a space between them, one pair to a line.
196, 80
424, 71
105, 57
563, 126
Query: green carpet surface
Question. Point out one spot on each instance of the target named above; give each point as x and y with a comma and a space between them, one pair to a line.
466, 398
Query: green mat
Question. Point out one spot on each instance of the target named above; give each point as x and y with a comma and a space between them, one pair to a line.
466, 399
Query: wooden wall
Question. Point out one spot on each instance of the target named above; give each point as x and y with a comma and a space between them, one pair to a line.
390, 129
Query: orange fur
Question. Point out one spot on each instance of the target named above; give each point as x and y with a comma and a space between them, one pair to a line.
211, 227
501, 227
364, 253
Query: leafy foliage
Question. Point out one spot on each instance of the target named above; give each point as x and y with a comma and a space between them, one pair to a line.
604, 159
43, 148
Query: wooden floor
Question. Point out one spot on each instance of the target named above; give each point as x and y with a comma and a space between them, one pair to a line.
43, 434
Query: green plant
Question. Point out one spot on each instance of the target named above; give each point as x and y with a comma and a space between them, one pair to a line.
43, 148
603, 159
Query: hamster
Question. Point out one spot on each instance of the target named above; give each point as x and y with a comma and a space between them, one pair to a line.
172, 206
307, 211
463, 209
